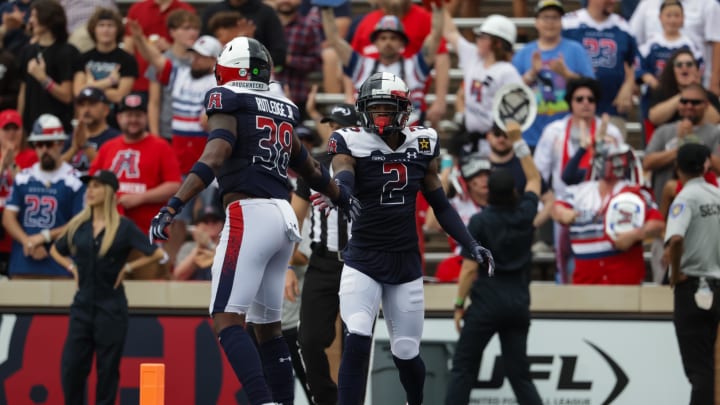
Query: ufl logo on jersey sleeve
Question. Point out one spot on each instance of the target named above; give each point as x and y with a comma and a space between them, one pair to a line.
214, 101
126, 164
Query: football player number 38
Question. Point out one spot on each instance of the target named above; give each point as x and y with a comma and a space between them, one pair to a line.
274, 149
392, 189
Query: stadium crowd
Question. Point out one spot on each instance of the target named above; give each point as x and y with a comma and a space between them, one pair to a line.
86, 87
85, 64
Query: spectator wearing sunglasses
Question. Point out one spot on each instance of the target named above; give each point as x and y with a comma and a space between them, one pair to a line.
560, 141
42, 200
660, 154
681, 70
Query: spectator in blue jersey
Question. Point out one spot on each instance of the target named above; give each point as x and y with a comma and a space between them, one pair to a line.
612, 48
42, 200
657, 50
92, 130
547, 64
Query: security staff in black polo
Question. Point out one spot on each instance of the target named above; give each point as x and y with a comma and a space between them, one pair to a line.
500, 302
94, 248
320, 300
691, 248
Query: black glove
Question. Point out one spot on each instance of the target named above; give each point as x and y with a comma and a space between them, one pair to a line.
345, 203
482, 256
159, 224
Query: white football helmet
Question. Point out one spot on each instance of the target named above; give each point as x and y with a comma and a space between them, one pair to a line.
243, 60
384, 88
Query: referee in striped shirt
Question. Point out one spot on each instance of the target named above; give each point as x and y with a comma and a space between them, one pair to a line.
319, 300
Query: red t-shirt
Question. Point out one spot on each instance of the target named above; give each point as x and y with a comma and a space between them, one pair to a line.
417, 24
153, 22
139, 167
24, 159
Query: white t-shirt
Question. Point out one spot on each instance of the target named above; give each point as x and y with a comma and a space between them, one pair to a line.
549, 152
481, 84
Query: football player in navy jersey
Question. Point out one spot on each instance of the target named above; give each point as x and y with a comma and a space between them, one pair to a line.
249, 149
384, 164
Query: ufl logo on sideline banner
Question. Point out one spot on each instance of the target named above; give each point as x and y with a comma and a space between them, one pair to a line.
514, 102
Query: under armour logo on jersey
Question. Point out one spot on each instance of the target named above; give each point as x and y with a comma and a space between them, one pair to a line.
412, 155
214, 101
125, 164
284, 359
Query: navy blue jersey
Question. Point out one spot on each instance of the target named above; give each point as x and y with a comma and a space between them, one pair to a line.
43, 200
610, 45
386, 183
261, 154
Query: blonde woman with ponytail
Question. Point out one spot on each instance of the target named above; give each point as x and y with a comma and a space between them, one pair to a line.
95, 248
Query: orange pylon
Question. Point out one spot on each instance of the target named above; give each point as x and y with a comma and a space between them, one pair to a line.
152, 384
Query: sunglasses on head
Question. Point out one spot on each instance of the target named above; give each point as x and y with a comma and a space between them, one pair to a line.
688, 63
580, 99
44, 144
692, 101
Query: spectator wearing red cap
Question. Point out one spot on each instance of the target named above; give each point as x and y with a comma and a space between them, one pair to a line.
146, 166
92, 131
15, 155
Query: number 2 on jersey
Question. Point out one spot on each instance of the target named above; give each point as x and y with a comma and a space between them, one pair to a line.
392, 189
274, 149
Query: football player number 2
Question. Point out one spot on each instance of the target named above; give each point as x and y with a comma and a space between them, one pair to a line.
392, 189
40, 211
274, 149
